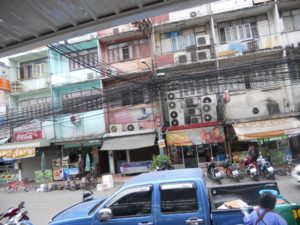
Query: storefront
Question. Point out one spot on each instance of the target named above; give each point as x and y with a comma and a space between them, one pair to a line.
130, 153
27, 153
195, 147
271, 137
79, 157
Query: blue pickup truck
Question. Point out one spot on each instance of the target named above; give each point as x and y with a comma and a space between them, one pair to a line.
172, 197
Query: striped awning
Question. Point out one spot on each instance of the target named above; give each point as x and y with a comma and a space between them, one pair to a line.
24, 149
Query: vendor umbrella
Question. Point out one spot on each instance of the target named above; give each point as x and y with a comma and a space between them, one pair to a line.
87, 163
43, 162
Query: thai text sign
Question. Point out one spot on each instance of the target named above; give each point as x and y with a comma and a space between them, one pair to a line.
4, 84
204, 135
28, 132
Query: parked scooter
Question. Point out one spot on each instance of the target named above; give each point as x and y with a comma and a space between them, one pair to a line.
14, 216
165, 166
213, 172
265, 168
251, 169
231, 169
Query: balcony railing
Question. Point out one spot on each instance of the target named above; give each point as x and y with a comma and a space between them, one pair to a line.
30, 85
241, 47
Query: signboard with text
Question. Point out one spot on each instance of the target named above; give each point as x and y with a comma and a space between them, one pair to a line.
4, 84
30, 131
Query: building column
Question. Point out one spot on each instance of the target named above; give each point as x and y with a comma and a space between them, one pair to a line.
128, 156
111, 162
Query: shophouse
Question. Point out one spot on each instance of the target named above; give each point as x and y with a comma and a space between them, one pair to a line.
29, 118
132, 111
77, 99
251, 87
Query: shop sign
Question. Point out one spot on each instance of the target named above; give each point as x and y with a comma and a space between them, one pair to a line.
4, 84
276, 138
4, 135
31, 131
161, 143
197, 136
18, 153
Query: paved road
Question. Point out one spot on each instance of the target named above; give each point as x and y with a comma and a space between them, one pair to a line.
42, 206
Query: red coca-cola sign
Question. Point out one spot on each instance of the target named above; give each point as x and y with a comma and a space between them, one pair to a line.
27, 132
26, 136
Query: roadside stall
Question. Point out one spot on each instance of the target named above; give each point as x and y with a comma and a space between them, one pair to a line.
189, 148
271, 137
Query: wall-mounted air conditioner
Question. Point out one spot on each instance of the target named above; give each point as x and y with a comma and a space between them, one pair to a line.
132, 127
193, 14
202, 40
191, 102
193, 111
182, 57
203, 55
90, 76
209, 109
111, 72
75, 119
176, 117
115, 128
195, 119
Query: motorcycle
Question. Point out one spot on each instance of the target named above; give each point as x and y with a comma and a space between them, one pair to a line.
251, 169
14, 216
265, 168
213, 173
231, 170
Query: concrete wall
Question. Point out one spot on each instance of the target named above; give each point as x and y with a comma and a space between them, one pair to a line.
242, 103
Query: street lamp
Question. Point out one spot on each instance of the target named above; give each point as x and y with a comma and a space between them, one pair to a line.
144, 62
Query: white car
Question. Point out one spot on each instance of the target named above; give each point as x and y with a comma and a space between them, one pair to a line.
296, 175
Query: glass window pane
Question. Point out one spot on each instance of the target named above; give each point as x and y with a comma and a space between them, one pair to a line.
180, 42
179, 200
241, 32
174, 44
228, 34
296, 20
248, 31
134, 204
234, 33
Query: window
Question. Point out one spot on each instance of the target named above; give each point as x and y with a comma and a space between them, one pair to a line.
33, 69
82, 101
291, 20
178, 198
133, 202
128, 50
37, 107
238, 30
133, 98
83, 59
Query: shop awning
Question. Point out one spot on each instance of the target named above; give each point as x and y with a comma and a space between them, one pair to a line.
266, 128
24, 149
129, 142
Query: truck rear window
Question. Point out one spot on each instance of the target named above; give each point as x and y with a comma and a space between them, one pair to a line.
178, 200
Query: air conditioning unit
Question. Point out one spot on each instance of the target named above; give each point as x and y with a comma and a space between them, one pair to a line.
75, 119
202, 40
193, 111
176, 117
190, 102
90, 76
193, 14
115, 128
173, 95
132, 127
182, 57
195, 119
111, 72
209, 109
273, 108
203, 55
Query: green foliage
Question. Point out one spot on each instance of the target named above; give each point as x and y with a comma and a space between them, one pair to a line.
158, 161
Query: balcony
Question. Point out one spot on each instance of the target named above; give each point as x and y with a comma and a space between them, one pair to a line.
239, 48
120, 32
34, 84
75, 76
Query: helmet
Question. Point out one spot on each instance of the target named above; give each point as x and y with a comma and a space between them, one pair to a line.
227, 162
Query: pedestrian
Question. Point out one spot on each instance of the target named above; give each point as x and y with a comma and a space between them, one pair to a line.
252, 153
265, 215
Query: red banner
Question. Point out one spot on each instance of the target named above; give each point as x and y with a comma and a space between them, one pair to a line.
26, 136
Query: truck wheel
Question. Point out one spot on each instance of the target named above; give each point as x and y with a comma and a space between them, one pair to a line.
219, 181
